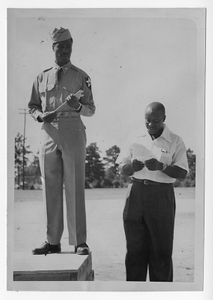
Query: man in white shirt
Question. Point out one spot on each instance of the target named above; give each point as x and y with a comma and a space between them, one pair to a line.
153, 161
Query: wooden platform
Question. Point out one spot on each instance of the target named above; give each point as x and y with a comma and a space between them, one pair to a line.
64, 266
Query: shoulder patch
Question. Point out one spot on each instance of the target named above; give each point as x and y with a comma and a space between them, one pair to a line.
84, 75
88, 82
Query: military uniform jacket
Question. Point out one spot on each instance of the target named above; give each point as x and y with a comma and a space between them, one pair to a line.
49, 91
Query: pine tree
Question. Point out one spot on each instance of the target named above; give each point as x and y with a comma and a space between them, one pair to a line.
112, 177
20, 158
94, 167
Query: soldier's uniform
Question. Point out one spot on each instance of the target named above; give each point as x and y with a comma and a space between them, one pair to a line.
63, 148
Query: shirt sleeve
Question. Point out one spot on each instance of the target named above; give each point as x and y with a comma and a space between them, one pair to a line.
34, 104
180, 158
88, 105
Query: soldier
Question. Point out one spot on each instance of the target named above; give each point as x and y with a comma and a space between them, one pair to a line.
60, 95
153, 160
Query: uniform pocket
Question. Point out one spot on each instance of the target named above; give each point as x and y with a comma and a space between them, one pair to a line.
51, 101
50, 86
42, 90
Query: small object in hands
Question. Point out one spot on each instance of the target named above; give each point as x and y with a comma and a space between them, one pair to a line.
137, 165
73, 99
149, 163
143, 158
79, 94
153, 164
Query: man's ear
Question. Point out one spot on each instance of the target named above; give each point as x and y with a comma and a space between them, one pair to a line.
164, 118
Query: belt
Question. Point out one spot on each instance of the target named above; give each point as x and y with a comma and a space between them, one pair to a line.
65, 114
147, 182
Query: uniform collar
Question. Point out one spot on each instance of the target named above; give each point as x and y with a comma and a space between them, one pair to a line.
65, 67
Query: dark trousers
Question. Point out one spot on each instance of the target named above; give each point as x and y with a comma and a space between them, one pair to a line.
149, 216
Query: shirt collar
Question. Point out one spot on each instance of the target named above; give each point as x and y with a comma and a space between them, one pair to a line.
165, 134
65, 67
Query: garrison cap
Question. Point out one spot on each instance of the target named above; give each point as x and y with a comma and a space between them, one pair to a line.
59, 35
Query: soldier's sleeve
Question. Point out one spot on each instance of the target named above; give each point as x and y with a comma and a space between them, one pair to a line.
34, 105
88, 105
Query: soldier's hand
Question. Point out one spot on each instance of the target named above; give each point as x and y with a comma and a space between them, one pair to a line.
48, 116
153, 164
73, 99
79, 94
137, 165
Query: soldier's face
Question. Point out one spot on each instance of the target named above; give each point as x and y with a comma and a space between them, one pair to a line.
63, 52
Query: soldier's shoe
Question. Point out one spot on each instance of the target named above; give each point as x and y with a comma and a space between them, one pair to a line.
82, 249
47, 248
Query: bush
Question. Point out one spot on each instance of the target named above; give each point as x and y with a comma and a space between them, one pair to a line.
107, 183
116, 183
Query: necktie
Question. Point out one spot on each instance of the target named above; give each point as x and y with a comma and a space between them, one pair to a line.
58, 75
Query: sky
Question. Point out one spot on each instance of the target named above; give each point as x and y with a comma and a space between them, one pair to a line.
133, 56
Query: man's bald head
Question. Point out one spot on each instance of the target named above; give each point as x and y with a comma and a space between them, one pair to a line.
156, 106
154, 118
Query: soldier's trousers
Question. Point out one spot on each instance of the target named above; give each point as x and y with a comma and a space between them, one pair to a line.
149, 215
62, 160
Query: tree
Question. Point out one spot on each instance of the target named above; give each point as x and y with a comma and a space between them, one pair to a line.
94, 172
112, 176
189, 181
33, 173
112, 154
33, 168
20, 158
192, 164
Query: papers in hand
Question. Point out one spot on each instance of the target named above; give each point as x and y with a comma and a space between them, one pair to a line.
143, 158
79, 94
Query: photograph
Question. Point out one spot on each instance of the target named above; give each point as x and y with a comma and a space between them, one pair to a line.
106, 144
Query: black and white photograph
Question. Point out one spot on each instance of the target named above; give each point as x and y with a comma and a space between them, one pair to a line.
106, 149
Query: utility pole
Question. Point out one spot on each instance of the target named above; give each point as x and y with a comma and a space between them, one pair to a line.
23, 173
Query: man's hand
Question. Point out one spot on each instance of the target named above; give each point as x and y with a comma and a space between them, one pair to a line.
73, 99
48, 116
153, 164
137, 165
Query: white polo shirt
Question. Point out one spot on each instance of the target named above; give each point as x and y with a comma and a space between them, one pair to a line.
169, 148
